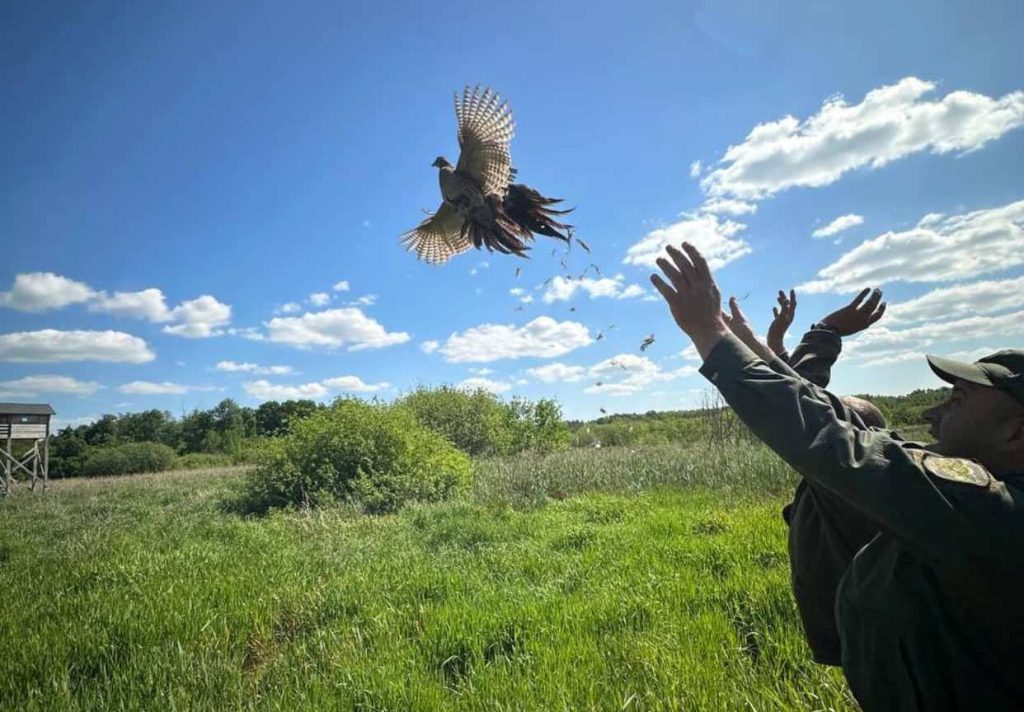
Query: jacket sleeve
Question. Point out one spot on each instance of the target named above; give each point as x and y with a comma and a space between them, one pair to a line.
948, 522
815, 355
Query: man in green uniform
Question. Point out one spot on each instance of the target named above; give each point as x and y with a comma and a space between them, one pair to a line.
824, 531
929, 613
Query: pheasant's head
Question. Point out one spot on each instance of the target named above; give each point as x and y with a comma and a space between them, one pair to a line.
441, 162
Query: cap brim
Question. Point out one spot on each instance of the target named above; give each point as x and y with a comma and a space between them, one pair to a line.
952, 371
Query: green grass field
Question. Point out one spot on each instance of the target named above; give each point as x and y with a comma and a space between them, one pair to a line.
604, 579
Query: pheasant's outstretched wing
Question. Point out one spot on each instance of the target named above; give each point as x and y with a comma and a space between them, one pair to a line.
438, 238
485, 130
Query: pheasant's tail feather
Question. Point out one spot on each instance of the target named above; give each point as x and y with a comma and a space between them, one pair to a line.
534, 213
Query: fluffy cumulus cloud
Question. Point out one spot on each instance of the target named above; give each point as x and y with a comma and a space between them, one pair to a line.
843, 222
430, 346
341, 286
199, 318
718, 239
695, 168
246, 367
728, 206
335, 328
165, 388
961, 300
35, 385
55, 345
558, 373
480, 383
889, 123
881, 345
937, 249
146, 304
620, 375
319, 299
265, 390
289, 308
561, 288
626, 374
542, 338
41, 291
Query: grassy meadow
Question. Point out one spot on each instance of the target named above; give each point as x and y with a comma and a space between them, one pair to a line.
609, 579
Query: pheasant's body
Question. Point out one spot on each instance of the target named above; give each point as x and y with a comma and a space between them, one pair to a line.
480, 206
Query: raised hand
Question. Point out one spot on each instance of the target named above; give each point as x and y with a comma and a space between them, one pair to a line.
693, 297
737, 322
858, 314
784, 315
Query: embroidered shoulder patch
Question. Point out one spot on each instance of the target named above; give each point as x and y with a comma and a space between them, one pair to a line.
957, 470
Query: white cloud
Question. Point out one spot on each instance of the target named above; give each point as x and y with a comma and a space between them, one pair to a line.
481, 371
289, 308
938, 249
960, 300
843, 222
54, 345
881, 344
146, 304
319, 299
543, 338
728, 206
558, 373
476, 382
347, 327
40, 291
32, 385
561, 288
717, 239
149, 388
245, 367
265, 390
626, 374
429, 347
695, 169
690, 353
367, 300
341, 286
353, 384
517, 291
199, 318
891, 122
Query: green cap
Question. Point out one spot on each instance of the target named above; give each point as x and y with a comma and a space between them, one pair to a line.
1003, 370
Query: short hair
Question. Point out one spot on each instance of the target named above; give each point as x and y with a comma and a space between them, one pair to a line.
868, 411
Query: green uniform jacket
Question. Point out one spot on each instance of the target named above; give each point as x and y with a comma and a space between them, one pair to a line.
824, 531
931, 612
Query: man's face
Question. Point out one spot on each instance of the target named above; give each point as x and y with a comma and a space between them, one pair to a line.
976, 422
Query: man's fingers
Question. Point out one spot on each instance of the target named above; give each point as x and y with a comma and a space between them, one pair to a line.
666, 291
699, 263
860, 297
878, 313
869, 306
682, 263
775, 312
734, 307
792, 299
678, 280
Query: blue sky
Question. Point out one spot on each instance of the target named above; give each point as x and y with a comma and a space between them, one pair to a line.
177, 181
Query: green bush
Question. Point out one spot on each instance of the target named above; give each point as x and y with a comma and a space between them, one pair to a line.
129, 458
203, 461
480, 424
377, 455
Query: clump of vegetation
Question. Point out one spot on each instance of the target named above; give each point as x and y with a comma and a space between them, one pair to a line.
377, 455
130, 458
480, 423
203, 461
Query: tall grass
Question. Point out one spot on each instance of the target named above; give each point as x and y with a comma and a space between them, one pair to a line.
140, 593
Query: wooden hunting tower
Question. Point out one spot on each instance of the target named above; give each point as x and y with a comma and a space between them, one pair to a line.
25, 421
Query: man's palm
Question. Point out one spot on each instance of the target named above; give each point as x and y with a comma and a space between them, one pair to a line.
858, 314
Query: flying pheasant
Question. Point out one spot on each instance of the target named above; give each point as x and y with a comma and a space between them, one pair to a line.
481, 206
